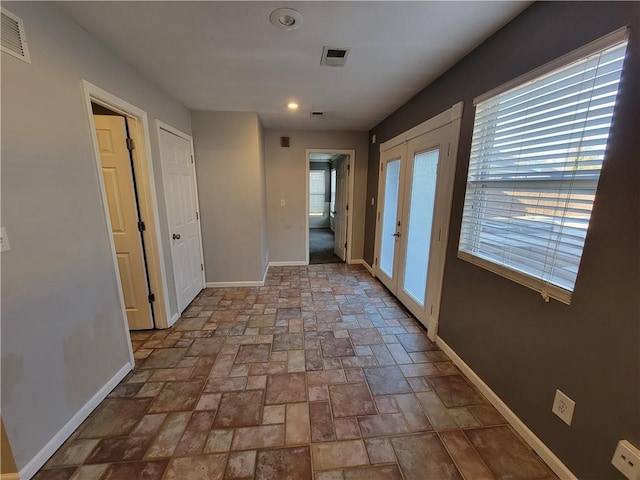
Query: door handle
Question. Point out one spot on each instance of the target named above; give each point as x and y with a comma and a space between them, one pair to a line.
397, 235
176, 236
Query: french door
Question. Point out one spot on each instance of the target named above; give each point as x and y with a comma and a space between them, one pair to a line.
415, 184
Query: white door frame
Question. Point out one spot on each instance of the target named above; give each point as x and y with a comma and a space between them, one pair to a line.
350, 187
147, 199
168, 128
452, 117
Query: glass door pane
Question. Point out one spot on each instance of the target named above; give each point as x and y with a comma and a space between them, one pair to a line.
389, 217
421, 207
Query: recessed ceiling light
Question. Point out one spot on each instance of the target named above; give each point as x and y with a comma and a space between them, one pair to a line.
292, 106
286, 18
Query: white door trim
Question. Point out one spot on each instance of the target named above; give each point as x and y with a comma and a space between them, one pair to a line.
350, 186
160, 125
155, 257
453, 118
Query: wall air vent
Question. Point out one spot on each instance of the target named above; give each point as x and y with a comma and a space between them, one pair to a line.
317, 114
334, 56
13, 41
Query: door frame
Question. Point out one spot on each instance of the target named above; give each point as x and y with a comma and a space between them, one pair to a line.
160, 125
452, 117
350, 187
146, 197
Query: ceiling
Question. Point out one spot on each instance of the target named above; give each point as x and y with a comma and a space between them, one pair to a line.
227, 56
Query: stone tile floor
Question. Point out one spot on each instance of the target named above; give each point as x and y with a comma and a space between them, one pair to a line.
320, 374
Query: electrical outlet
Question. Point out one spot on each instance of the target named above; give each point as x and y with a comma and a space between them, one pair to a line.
563, 407
627, 459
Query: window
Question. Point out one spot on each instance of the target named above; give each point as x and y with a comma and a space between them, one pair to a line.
316, 192
332, 206
536, 155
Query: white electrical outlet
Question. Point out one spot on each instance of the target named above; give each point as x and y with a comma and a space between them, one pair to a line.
563, 407
627, 459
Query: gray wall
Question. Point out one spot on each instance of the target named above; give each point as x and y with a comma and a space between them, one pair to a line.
62, 332
520, 346
230, 169
286, 179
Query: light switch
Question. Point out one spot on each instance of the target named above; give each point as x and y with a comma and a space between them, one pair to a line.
4, 241
282, 202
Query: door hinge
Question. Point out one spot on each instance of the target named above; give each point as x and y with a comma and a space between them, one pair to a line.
439, 234
152, 297
141, 226
345, 244
130, 144
191, 158
431, 313
348, 168
375, 262
449, 150
378, 216
197, 216
381, 166
201, 267
346, 207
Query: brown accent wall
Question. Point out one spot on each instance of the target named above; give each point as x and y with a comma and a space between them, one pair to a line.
522, 347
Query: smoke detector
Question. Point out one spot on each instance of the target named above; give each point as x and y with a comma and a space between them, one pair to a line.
334, 56
286, 18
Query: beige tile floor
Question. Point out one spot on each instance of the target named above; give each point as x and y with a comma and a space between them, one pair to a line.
320, 374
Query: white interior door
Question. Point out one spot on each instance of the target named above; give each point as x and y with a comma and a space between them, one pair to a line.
410, 220
341, 209
182, 215
119, 189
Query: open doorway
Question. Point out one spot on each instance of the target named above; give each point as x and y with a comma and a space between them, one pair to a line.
128, 197
329, 187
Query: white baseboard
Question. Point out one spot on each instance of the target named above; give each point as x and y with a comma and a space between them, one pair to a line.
519, 426
248, 283
9, 476
363, 262
31, 468
294, 263
174, 319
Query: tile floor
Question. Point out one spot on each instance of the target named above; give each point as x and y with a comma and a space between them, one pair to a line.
318, 375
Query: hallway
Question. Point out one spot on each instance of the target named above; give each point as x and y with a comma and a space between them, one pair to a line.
321, 242
320, 375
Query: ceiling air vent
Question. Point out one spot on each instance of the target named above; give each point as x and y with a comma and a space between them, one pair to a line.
317, 114
13, 38
334, 56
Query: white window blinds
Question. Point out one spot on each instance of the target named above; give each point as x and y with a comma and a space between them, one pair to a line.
536, 156
316, 192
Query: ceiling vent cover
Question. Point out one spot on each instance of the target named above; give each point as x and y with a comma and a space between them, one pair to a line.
334, 56
13, 37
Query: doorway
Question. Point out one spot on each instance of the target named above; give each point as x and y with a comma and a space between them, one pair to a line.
120, 186
150, 280
414, 200
328, 194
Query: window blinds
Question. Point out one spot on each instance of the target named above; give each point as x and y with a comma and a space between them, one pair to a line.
316, 192
536, 156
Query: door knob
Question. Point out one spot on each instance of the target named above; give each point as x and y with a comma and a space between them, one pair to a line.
176, 236
397, 234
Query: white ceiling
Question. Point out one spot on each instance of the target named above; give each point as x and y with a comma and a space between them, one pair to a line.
227, 56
